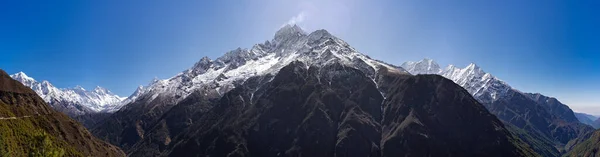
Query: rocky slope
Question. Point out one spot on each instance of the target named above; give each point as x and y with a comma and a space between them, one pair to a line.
216, 77
587, 146
336, 110
28, 125
302, 94
542, 117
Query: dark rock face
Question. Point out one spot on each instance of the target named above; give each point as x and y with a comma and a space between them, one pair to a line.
175, 122
123, 129
540, 120
428, 115
332, 111
89, 120
555, 107
541, 117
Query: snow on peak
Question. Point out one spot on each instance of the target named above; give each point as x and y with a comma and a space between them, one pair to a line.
290, 44
138, 92
289, 30
79, 88
474, 67
425, 66
287, 36
81, 100
483, 86
21, 76
102, 91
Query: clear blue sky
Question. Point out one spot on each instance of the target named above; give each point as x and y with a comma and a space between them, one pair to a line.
546, 46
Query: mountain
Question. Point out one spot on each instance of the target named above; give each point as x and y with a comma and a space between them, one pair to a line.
334, 109
30, 127
542, 117
426, 66
588, 147
586, 118
305, 94
216, 77
76, 102
596, 123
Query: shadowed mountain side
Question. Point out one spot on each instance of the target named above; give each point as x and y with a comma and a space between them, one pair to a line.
587, 146
329, 111
429, 115
333, 110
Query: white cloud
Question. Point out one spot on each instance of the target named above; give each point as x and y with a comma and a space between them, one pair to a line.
297, 19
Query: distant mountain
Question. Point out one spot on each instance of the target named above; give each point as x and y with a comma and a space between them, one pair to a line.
30, 127
75, 102
539, 115
587, 119
596, 123
585, 116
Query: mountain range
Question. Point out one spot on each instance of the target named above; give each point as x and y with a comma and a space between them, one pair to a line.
30, 127
79, 103
305, 93
586, 118
312, 94
546, 118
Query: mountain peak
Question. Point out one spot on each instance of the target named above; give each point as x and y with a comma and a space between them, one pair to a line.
20, 74
473, 66
450, 67
288, 32
290, 29
425, 66
205, 59
78, 88
101, 90
22, 77
201, 66
318, 34
138, 91
7, 83
140, 87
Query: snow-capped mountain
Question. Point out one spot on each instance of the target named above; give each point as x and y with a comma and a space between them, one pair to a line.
73, 101
139, 91
290, 43
211, 79
487, 88
425, 66
483, 86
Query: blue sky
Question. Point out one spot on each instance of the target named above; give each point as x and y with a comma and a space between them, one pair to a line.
546, 46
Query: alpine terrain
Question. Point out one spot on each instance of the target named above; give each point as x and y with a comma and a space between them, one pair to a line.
544, 122
306, 94
29, 127
88, 107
